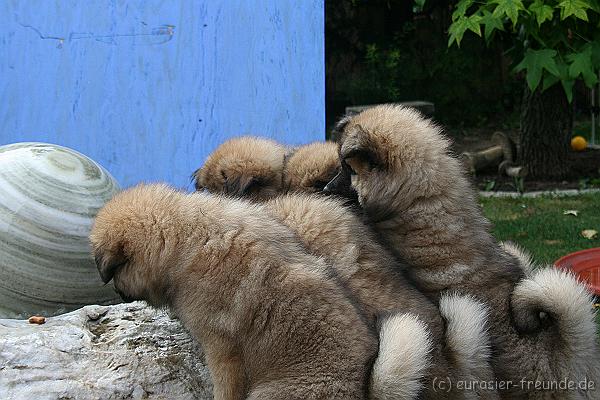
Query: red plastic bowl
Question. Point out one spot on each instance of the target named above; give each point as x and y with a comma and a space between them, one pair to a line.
586, 265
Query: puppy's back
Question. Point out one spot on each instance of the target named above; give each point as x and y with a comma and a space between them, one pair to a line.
331, 230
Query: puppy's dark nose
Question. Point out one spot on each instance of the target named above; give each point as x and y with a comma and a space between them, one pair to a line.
334, 185
341, 186
341, 183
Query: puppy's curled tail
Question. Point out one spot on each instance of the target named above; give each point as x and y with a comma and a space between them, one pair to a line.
467, 337
551, 301
523, 258
404, 357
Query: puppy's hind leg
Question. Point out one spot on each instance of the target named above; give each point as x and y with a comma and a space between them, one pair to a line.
300, 389
227, 372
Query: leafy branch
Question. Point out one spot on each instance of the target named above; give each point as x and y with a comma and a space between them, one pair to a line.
559, 39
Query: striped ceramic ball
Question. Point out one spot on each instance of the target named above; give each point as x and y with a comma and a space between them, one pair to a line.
49, 196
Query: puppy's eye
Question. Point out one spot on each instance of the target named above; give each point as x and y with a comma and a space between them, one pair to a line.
360, 161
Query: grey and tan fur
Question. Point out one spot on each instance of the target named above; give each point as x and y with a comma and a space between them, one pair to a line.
524, 259
330, 230
310, 167
549, 288
412, 331
259, 168
419, 200
244, 166
272, 320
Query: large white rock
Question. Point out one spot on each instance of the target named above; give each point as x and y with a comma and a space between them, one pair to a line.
102, 352
49, 197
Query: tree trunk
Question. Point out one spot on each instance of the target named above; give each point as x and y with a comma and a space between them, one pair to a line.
546, 125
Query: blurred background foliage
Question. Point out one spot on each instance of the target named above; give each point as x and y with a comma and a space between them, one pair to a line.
397, 50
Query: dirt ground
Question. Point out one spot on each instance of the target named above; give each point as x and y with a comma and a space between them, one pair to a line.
584, 166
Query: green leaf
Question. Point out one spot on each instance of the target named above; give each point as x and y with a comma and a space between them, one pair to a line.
473, 24
456, 31
541, 11
490, 23
594, 5
418, 6
510, 8
549, 80
460, 26
581, 64
565, 80
563, 74
568, 88
535, 62
461, 9
574, 7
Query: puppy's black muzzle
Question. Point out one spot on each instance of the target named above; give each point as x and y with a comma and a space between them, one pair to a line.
341, 185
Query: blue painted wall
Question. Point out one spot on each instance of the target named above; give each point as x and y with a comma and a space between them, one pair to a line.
149, 88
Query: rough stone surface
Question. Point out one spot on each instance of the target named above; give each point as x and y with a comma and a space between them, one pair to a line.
126, 351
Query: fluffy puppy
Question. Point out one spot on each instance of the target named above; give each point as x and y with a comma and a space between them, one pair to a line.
273, 322
244, 166
331, 231
414, 352
310, 167
420, 202
259, 168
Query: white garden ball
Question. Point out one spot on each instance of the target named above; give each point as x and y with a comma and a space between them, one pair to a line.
49, 196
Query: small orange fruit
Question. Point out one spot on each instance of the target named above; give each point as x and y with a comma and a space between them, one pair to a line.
578, 143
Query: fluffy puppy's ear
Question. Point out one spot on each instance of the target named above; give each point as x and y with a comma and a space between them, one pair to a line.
108, 263
338, 129
357, 153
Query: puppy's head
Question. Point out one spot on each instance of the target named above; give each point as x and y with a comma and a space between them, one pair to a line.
386, 151
309, 168
132, 242
243, 167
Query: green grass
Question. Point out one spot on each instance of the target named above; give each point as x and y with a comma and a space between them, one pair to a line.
539, 225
